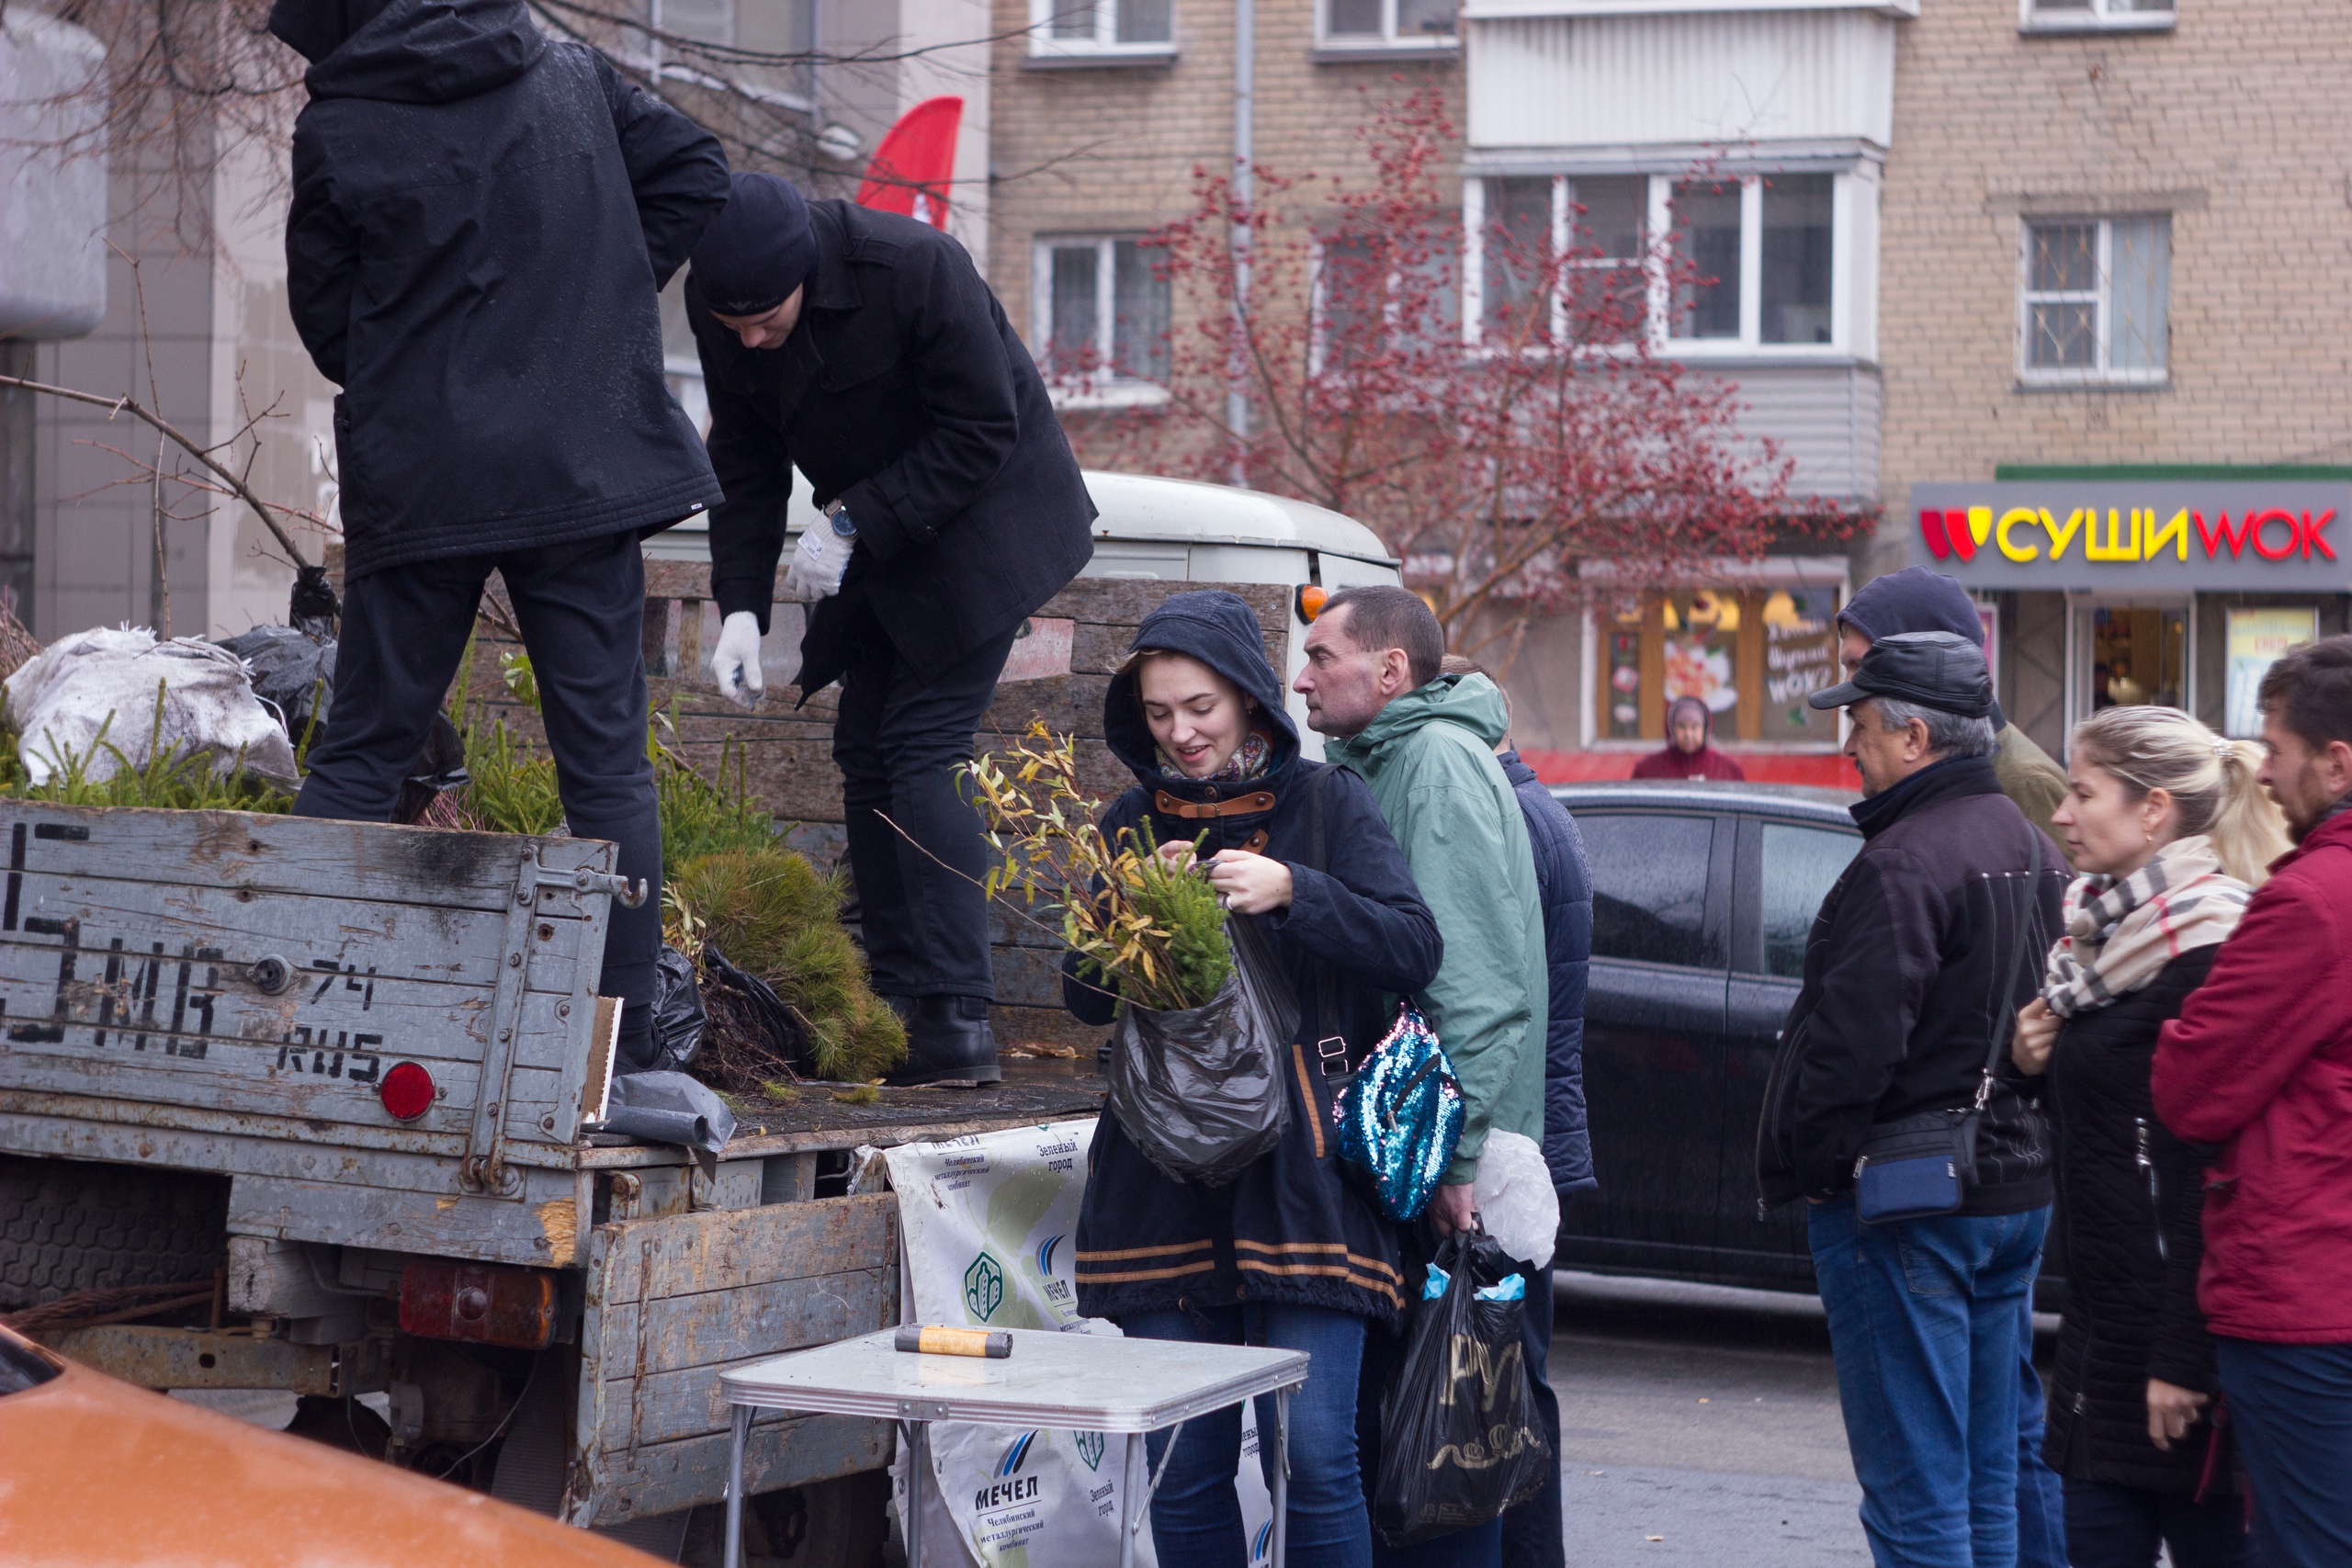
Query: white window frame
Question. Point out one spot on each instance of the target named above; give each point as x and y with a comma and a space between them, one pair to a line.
2102, 295
2096, 16
1102, 387
1104, 47
1852, 275
1331, 42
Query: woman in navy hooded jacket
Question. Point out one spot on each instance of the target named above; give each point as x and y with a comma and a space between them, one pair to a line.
1287, 1255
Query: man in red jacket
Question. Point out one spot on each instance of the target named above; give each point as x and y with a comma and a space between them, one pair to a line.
2260, 1062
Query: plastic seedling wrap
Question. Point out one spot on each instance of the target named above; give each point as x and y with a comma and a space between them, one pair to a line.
989, 1225
1515, 1199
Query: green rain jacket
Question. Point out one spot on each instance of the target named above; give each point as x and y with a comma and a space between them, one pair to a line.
1430, 759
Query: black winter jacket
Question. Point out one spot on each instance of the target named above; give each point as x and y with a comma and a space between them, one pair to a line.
482, 221
905, 394
1564, 881
1895, 1015
2133, 1197
1289, 1229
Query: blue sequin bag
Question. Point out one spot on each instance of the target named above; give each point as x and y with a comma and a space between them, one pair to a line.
1400, 1116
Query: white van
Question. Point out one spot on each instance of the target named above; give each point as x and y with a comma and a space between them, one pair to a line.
1172, 531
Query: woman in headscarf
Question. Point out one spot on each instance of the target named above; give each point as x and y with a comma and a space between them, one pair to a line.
1690, 751
1287, 1255
2170, 830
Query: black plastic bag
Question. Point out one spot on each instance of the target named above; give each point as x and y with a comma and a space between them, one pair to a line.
293, 671
1200, 1090
1459, 1437
757, 1009
678, 1017
312, 606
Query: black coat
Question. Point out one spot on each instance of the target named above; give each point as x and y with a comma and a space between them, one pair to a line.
1289, 1228
1896, 1013
482, 225
905, 394
1564, 883
2133, 1199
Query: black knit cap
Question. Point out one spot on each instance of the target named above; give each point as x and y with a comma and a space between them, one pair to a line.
1934, 669
758, 250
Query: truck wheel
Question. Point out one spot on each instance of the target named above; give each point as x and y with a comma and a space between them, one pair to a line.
77, 1226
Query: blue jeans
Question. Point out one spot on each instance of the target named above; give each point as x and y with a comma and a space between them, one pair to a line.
1924, 1319
2292, 1409
2042, 1501
1196, 1515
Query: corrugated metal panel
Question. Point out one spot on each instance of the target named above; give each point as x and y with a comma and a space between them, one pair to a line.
1679, 79
1825, 416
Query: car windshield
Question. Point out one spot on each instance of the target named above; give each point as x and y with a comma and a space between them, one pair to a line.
20, 1368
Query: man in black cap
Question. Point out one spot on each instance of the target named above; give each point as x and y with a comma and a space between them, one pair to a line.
867, 349
481, 224
1916, 967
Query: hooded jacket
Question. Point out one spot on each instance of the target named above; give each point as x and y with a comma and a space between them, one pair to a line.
1706, 763
1896, 1013
905, 394
1564, 883
1428, 757
481, 224
1289, 1229
2260, 1062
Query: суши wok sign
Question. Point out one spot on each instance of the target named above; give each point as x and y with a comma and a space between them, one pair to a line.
2133, 536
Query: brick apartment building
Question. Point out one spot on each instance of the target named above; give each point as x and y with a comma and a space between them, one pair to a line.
2115, 246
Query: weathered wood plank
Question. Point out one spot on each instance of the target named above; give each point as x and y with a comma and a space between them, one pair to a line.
712, 1328
540, 1229
723, 1251
781, 1451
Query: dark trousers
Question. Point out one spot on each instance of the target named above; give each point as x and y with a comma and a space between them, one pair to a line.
580, 607
898, 740
2292, 1409
2122, 1527
1534, 1532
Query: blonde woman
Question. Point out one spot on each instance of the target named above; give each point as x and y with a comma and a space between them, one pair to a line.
2170, 830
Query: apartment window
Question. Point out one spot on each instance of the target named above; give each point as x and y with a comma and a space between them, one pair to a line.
706, 21
1387, 24
2094, 298
2094, 16
1754, 260
1103, 313
1101, 27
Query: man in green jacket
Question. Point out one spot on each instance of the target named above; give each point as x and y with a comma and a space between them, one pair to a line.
1424, 742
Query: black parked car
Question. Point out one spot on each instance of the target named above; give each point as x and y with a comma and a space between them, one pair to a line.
1702, 896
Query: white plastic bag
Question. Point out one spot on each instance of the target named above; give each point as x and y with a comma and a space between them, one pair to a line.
105, 683
1515, 1199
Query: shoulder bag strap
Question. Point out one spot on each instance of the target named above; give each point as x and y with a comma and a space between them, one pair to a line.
2005, 1017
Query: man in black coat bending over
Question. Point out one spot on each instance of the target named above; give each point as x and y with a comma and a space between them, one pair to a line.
482, 221
865, 348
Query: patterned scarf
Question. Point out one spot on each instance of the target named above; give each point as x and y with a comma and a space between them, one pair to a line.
1249, 759
2120, 935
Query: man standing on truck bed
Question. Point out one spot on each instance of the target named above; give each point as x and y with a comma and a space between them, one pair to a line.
866, 348
482, 221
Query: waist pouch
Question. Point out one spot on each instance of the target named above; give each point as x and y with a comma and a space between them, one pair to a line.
1916, 1167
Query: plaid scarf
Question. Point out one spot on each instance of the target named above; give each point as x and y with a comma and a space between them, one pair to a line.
2120, 935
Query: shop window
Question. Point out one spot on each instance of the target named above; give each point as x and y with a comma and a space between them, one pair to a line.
2094, 299
1104, 27
2094, 16
2257, 639
1103, 315
2138, 656
1386, 23
1752, 656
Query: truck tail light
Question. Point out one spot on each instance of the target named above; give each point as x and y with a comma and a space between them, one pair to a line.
407, 1091
443, 1299
1310, 603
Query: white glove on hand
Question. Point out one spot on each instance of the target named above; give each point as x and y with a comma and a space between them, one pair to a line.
818, 564
735, 662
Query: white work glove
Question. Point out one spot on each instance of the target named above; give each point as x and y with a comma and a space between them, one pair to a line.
818, 564
735, 662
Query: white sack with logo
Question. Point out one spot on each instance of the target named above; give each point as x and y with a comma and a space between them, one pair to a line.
989, 1225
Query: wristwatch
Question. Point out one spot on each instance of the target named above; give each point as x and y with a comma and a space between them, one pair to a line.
838, 515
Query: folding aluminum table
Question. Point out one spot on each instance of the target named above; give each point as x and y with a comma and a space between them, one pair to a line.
1072, 1381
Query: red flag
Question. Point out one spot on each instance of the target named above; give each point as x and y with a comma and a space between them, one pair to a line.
916, 163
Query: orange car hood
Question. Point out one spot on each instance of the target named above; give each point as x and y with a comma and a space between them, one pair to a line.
95, 1471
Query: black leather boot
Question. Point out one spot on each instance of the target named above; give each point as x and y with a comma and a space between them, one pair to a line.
948, 1041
